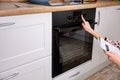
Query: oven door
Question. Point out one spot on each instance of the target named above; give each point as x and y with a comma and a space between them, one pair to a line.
72, 46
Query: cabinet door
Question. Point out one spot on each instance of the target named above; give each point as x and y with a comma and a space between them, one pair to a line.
37, 70
97, 51
24, 38
109, 21
109, 24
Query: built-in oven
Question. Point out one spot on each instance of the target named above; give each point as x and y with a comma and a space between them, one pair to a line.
71, 44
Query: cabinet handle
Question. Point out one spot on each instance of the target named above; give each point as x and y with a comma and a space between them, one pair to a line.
98, 18
7, 24
74, 75
9, 77
118, 9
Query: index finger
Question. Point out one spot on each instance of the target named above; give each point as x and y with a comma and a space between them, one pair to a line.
83, 19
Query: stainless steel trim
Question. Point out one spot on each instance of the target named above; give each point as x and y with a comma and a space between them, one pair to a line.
7, 24
74, 75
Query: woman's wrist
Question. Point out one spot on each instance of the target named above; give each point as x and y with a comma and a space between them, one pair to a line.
95, 34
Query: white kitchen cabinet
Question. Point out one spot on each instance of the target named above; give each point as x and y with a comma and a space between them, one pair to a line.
108, 24
24, 38
36, 70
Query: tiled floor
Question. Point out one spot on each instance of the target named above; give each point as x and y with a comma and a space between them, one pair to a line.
110, 72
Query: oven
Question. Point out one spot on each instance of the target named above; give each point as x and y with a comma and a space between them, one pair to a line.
71, 44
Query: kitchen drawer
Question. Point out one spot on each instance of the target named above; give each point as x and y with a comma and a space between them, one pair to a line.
22, 20
37, 70
25, 41
74, 73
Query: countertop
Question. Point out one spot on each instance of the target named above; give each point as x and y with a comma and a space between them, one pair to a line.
17, 8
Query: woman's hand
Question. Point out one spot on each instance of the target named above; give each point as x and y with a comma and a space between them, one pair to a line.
86, 25
113, 57
88, 28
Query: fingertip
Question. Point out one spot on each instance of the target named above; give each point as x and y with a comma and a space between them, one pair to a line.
81, 15
83, 19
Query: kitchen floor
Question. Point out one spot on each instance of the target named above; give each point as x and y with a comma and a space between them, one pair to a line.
110, 72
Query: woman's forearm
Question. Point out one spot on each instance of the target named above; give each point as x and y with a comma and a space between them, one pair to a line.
96, 34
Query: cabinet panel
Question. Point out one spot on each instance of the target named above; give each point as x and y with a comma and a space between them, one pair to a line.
109, 24
108, 19
23, 41
24, 20
97, 51
37, 70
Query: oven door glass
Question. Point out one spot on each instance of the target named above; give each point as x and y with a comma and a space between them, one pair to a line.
75, 46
